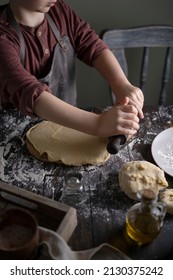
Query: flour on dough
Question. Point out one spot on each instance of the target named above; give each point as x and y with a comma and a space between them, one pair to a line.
67, 145
138, 175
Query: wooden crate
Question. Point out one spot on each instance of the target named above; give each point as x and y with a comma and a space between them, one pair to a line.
49, 213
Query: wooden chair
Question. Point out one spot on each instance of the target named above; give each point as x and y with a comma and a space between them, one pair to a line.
144, 37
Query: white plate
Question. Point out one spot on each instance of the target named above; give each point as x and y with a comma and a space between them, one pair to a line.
162, 150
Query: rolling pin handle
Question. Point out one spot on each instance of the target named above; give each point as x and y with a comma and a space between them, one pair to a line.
115, 142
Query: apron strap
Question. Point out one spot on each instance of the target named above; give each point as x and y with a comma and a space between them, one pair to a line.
15, 25
56, 33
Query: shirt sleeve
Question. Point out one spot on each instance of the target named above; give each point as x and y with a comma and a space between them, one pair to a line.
86, 43
17, 86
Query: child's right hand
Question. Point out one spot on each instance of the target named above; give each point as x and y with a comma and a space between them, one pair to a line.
120, 119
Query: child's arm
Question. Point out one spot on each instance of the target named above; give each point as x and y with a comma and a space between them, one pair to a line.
108, 66
120, 119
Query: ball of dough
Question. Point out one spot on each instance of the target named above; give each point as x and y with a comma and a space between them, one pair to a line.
167, 197
135, 176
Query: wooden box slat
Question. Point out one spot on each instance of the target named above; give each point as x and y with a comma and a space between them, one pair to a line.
49, 213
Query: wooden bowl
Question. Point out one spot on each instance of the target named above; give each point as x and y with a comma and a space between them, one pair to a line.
19, 234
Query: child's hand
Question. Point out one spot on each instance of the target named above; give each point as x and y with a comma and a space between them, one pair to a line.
120, 119
135, 96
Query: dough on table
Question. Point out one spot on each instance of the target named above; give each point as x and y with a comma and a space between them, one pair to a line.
65, 145
138, 175
167, 197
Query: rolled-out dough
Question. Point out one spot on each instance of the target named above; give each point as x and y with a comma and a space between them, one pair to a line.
71, 147
138, 175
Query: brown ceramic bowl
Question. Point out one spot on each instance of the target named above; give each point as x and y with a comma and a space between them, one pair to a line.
19, 234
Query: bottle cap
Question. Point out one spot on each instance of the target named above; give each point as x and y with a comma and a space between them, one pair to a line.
147, 194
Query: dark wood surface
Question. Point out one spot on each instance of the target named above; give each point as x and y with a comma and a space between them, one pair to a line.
101, 215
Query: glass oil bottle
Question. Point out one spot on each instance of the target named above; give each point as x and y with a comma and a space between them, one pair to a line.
144, 220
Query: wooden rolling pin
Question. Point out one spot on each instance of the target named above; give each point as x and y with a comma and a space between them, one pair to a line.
115, 142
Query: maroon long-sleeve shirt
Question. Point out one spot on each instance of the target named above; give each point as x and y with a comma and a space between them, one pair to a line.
20, 85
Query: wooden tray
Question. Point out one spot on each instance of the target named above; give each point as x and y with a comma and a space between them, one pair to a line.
49, 213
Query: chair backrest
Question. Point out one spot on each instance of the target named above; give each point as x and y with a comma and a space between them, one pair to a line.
144, 37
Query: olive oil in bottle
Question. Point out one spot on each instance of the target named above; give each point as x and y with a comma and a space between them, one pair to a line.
144, 220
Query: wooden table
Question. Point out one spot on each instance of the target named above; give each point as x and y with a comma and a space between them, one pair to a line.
101, 216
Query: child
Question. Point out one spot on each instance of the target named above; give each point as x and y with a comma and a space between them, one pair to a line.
38, 44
